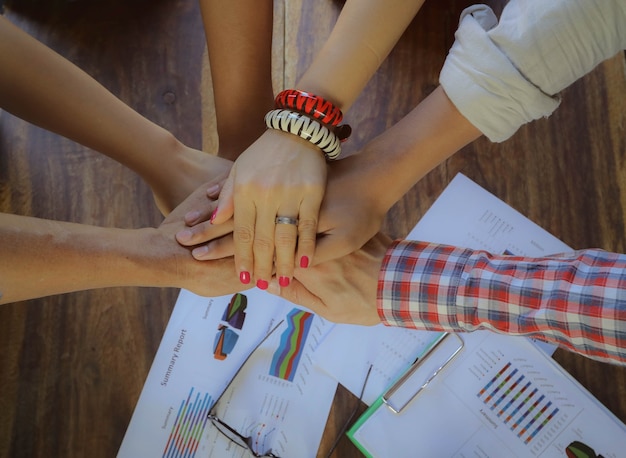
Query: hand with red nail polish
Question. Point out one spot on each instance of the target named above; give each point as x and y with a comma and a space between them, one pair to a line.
279, 175
342, 290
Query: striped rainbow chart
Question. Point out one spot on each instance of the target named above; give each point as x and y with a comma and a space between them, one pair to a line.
285, 361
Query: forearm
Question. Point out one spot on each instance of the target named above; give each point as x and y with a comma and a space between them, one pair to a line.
360, 41
43, 257
239, 43
389, 165
577, 300
43, 88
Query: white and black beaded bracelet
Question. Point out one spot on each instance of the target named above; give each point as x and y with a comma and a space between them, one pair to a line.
306, 128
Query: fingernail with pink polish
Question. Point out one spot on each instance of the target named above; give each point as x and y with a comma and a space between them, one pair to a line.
213, 215
304, 261
262, 284
244, 277
283, 281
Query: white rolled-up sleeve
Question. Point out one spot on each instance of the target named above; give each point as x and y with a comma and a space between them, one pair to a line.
501, 74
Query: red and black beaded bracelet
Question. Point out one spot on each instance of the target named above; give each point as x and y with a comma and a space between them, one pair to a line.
310, 104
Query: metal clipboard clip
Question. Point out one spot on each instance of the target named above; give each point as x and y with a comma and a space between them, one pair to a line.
432, 362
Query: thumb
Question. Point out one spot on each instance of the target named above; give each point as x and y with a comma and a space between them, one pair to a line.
225, 203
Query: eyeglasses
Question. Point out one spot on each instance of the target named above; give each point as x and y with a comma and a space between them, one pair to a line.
247, 442
234, 436
237, 438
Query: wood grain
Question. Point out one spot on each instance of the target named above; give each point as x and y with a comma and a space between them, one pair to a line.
72, 366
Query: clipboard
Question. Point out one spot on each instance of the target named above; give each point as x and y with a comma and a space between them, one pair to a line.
490, 395
446, 347
429, 365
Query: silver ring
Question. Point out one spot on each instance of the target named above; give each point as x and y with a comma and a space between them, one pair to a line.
286, 220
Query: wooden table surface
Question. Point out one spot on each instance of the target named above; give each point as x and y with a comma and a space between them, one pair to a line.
73, 365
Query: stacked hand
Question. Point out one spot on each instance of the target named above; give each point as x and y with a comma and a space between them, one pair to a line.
280, 175
213, 278
350, 215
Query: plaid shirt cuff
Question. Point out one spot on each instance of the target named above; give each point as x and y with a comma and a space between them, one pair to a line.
418, 284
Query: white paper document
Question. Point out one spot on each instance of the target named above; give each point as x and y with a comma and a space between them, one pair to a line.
282, 399
466, 215
501, 397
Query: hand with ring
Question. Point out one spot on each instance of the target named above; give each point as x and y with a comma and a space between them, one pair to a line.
274, 193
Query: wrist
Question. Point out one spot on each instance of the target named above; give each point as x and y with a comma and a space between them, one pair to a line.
402, 155
276, 135
162, 154
155, 258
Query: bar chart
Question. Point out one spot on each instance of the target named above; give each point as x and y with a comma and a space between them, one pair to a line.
518, 403
188, 426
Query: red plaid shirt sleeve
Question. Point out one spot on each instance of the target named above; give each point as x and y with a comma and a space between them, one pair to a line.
577, 300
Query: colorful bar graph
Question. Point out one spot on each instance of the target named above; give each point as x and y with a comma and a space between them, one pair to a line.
513, 399
493, 380
507, 393
541, 425
520, 405
527, 412
499, 387
533, 419
517, 403
188, 427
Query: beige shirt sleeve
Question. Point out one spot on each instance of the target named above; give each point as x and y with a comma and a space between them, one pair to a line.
501, 74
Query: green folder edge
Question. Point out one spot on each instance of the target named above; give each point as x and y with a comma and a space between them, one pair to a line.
362, 419
377, 404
